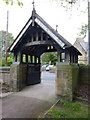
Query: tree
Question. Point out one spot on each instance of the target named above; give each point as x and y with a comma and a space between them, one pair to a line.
3, 46
12, 2
89, 32
49, 58
72, 2
83, 31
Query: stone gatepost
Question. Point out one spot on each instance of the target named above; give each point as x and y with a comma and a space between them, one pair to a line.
18, 76
66, 80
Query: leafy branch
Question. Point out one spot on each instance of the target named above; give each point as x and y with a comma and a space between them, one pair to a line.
11, 2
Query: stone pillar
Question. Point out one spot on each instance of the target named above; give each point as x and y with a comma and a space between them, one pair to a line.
66, 81
18, 76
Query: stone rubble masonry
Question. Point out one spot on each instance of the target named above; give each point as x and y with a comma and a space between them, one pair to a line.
18, 76
66, 81
67, 78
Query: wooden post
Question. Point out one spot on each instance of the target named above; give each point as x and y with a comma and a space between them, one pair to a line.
18, 57
35, 59
67, 57
31, 59
15, 58
21, 58
26, 58
38, 59
76, 59
32, 39
37, 36
59, 56
41, 36
70, 58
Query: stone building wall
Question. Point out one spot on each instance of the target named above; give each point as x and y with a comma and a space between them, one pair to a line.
83, 59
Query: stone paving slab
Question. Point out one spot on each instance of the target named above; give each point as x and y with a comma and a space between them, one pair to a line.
30, 102
23, 107
43, 91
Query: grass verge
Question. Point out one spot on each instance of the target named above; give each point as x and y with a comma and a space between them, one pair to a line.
69, 110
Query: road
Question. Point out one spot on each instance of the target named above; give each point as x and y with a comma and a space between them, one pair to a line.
32, 101
47, 77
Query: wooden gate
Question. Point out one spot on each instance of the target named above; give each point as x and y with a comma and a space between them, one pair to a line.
33, 74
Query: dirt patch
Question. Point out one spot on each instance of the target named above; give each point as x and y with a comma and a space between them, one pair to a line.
47, 115
82, 91
82, 94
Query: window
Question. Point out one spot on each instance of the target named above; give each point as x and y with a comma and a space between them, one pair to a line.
29, 60
24, 58
62, 57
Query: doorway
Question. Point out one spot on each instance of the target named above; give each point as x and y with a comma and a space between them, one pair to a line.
48, 68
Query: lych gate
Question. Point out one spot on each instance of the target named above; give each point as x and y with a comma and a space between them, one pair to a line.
36, 38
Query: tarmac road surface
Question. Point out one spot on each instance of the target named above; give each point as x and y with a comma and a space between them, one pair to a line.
32, 101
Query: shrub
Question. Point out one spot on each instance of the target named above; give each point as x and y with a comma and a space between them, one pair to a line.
9, 61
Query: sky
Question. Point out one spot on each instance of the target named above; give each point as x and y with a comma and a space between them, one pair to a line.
69, 22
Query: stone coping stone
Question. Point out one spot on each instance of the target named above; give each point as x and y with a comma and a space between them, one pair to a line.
2, 95
4, 69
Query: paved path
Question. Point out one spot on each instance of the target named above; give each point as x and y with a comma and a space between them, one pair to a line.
31, 102
0, 109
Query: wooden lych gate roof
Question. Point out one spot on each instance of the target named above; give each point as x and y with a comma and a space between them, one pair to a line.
29, 42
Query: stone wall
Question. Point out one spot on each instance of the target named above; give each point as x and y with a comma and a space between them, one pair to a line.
75, 76
84, 75
67, 78
5, 74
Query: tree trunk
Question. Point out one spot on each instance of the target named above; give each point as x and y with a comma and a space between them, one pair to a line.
89, 32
